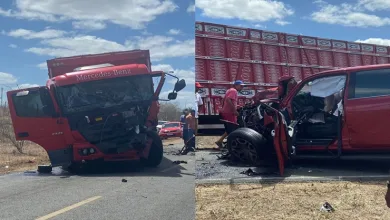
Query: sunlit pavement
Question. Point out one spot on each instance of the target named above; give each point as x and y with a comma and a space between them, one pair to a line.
211, 170
166, 192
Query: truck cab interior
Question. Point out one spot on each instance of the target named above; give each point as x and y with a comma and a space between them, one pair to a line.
317, 108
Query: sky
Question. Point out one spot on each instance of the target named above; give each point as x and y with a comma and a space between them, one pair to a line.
35, 31
351, 20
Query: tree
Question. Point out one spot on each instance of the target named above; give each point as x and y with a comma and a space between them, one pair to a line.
170, 112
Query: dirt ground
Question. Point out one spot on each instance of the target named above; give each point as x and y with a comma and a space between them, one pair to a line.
206, 142
292, 201
34, 155
11, 160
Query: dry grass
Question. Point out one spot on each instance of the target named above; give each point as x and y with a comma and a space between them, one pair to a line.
17, 155
292, 201
11, 160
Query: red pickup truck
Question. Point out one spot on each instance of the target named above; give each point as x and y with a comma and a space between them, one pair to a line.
337, 114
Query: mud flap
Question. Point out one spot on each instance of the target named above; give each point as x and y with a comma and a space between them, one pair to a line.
61, 157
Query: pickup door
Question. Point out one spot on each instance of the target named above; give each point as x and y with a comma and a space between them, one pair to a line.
34, 119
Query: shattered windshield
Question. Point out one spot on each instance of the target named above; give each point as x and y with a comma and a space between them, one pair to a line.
105, 93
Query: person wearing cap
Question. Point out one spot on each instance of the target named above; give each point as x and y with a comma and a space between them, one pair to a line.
229, 107
198, 105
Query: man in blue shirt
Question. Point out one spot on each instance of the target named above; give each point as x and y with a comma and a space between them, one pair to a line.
184, 125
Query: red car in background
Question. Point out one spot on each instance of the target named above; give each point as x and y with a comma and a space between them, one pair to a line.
171, 129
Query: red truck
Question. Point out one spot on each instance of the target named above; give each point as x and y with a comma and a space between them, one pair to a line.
100, 107
260, 58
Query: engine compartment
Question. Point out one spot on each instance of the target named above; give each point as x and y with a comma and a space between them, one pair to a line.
113, 130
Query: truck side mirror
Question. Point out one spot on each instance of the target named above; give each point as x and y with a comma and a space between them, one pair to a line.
172, 96
179, 85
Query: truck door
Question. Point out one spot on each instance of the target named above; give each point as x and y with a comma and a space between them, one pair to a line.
367, 109
35, 119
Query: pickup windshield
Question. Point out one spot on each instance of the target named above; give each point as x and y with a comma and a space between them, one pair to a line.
105, 93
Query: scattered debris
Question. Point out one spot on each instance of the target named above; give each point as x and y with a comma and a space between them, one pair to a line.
250, 172
179, 161
326, 207
124, 180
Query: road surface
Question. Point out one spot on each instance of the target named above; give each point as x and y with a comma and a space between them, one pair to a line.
209, 170
162, 193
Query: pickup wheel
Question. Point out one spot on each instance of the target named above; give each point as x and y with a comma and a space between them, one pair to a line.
156, 151
246, 145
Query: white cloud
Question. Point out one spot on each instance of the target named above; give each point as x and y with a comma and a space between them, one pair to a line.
380, 41
161, 47
249, 10
7, 79
353, 15
89, 25
131, 13
174, 31
187, 75
42, 66
191, 8
29, 34
13, 45
374, 5
282, 23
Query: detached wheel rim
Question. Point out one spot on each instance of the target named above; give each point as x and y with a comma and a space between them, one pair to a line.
243, 150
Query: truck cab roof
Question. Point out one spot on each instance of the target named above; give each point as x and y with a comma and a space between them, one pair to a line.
100, 73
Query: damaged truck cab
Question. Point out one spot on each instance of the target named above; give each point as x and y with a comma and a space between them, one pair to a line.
337, 114
105, 109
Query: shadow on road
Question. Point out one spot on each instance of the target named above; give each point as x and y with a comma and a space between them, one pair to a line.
121, 169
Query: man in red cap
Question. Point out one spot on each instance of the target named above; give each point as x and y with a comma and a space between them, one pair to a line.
198, 104
229, 107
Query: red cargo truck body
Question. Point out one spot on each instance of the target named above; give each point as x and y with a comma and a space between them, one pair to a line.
260, 58
94, 107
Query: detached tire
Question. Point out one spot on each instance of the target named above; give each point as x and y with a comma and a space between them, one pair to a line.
246, 145
44, 169
156, 151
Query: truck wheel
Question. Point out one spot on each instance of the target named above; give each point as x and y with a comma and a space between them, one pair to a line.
156, 151
246, 145
44, 168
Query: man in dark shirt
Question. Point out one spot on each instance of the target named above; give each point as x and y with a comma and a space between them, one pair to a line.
184, 125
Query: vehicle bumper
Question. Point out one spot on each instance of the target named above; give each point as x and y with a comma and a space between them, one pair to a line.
170, 134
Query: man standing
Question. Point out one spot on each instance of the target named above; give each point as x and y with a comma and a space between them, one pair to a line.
184, 125
191, 122
198, 105
229, 107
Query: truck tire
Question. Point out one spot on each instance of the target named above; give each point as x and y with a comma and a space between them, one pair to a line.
246, 145
156, 151
44, 169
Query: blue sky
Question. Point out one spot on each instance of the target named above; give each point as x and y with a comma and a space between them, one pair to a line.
33, 32
351, 20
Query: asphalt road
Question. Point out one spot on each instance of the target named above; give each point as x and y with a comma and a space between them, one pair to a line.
166, 192
209, 169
